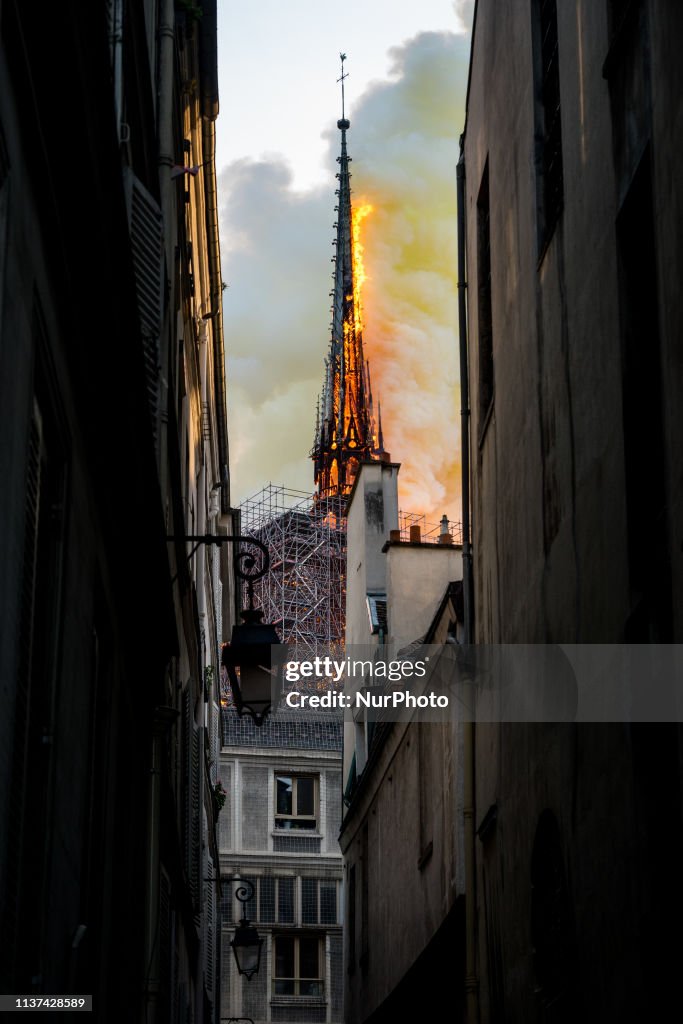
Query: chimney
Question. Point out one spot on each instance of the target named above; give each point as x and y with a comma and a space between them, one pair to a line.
445, 537
415, 534
395, 536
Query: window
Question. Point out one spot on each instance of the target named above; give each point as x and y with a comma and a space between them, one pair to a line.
296, 799
550, 176
273, 901
298, 965
318, 901
227, 897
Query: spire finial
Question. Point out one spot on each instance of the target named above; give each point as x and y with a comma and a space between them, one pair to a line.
343, 123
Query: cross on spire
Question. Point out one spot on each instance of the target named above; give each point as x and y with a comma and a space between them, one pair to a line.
344, 75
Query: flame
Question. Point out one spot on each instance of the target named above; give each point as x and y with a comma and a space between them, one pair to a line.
359, 276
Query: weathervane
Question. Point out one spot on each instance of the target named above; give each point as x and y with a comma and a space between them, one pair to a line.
343, 76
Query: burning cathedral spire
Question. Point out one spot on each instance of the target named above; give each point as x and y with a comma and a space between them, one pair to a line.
347, 431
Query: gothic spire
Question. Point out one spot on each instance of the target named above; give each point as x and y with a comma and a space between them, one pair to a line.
344, 435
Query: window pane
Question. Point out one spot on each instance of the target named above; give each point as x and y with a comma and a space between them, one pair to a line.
309, 966
267, 902
285, 901
328, 903
284, 958
311, 988
284, 988
248, 909
226, 903
309, 900
305, 791
283, 785
297, 823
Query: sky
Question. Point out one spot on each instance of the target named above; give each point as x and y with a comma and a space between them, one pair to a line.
277, 144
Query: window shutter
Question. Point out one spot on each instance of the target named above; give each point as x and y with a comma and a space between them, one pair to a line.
195, 809
191, 797
209, 951
146, 236
214, 753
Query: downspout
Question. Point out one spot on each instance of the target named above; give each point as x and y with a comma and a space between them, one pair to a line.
165, 161
471, 981
206, 707
201, 494
117, 62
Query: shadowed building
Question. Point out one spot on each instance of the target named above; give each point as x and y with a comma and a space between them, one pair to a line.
112, 440
572, 153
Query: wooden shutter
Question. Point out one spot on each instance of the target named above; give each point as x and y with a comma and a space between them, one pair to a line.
146, 236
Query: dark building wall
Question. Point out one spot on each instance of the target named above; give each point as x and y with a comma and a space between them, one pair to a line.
78, 673
103, 862
577, 467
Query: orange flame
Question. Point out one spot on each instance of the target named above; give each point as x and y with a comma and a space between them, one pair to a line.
359, 276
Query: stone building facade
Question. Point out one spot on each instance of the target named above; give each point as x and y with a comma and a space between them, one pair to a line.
572, 150
279, 828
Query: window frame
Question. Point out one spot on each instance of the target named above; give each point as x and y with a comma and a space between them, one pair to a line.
331, 883
296, 979
280, 819
253, 908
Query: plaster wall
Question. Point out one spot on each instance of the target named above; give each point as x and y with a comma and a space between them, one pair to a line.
417, 578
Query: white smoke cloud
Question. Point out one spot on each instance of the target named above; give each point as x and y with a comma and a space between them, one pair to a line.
276, 258
464, 12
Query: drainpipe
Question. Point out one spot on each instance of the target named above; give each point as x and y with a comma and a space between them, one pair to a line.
117, 62
165, 161
201, 494
471, 982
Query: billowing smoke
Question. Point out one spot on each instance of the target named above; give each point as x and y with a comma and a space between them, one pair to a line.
404, 144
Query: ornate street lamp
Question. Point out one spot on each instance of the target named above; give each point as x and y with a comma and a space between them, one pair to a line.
249, 664
248, 658
254, 655
247, 943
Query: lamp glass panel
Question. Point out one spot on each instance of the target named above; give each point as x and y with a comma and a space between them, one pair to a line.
247, 958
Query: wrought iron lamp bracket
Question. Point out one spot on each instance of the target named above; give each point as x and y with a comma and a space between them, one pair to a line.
247, 565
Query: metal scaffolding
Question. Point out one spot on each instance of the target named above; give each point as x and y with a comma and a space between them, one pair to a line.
304, 592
